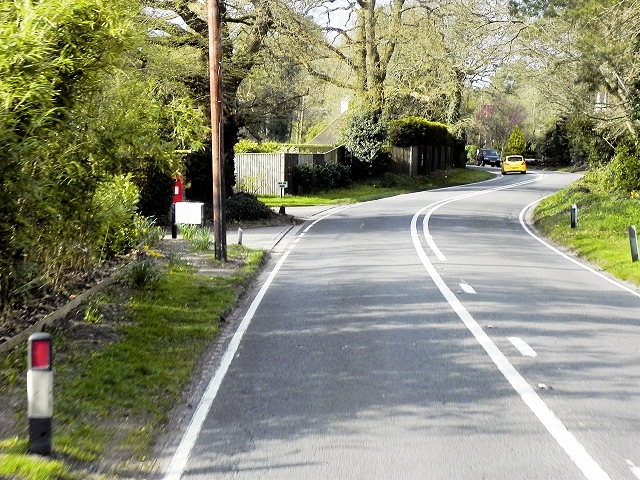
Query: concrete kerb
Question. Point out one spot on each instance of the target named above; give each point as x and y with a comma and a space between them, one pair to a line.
266, 238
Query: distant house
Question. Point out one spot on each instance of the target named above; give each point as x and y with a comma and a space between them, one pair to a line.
331, 134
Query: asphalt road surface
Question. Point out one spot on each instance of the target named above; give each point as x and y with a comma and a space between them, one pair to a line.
426, 336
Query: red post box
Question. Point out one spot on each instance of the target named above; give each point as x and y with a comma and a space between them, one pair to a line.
178, 190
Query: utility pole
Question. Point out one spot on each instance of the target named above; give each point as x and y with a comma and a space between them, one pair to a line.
217, 152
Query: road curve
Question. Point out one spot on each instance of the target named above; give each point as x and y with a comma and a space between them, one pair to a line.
370, 350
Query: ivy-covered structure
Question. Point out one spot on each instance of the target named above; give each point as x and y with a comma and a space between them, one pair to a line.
420, 147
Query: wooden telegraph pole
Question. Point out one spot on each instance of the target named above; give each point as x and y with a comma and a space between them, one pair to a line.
219, 198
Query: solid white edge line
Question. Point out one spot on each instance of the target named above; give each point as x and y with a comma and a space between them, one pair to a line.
567, 257
565, 439
181, 455
523, 347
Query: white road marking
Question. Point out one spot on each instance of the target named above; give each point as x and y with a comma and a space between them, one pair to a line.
635, 470
467, 288
181, 455
523, 347
555, 250
572, 447
434, 206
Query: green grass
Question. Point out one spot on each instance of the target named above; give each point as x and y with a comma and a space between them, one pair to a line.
387, 186
601, 235
117, 394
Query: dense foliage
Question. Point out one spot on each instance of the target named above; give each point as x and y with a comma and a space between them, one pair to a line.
411, 131
516, 144
77, 117
308, 178
245, 206
364, 135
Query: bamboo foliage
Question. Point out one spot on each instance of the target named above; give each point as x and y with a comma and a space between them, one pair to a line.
77, 114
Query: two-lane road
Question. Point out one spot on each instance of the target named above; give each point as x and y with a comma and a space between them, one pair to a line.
426, 336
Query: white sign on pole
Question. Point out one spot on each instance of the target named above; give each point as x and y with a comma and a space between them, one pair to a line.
189, 213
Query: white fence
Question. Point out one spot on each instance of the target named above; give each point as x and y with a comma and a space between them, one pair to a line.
260, 173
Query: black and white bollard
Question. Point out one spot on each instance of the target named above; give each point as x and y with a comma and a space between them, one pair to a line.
40, 393
633, 241
574, 216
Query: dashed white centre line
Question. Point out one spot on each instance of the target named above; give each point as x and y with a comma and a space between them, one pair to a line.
565, 439
635, 470
523, 347
466, 288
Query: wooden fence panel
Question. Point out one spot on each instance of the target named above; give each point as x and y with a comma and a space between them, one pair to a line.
259, 173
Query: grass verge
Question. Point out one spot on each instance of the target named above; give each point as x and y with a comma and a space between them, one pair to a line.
115, 386
387, 186
604, 217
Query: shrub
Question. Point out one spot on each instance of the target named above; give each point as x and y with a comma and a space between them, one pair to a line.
364, 135
187, 231
471, 152
327, 176
413, 131
249, 146
201, 239
143, 274
114, 213
246, 207
625, 168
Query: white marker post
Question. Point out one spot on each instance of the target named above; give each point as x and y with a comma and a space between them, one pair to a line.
40, 393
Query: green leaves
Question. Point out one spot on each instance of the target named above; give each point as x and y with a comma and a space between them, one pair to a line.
516, 144
364, 135
78, 113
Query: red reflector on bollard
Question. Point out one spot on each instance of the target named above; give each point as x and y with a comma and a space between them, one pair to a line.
40, 354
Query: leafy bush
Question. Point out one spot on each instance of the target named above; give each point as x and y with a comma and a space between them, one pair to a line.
319, 178
625, 168
364, 135
249, 146
156, 192
201, 239
413, 131
471, 152
114, 208
143, 274
246, 207
146, 231
187, 231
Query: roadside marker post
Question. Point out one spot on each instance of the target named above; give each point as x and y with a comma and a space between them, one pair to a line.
574, 216
40, 393
633, 241
240, 236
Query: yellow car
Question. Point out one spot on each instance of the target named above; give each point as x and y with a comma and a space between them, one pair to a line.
514, 163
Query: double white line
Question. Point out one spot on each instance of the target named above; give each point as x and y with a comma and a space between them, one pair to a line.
573, 448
